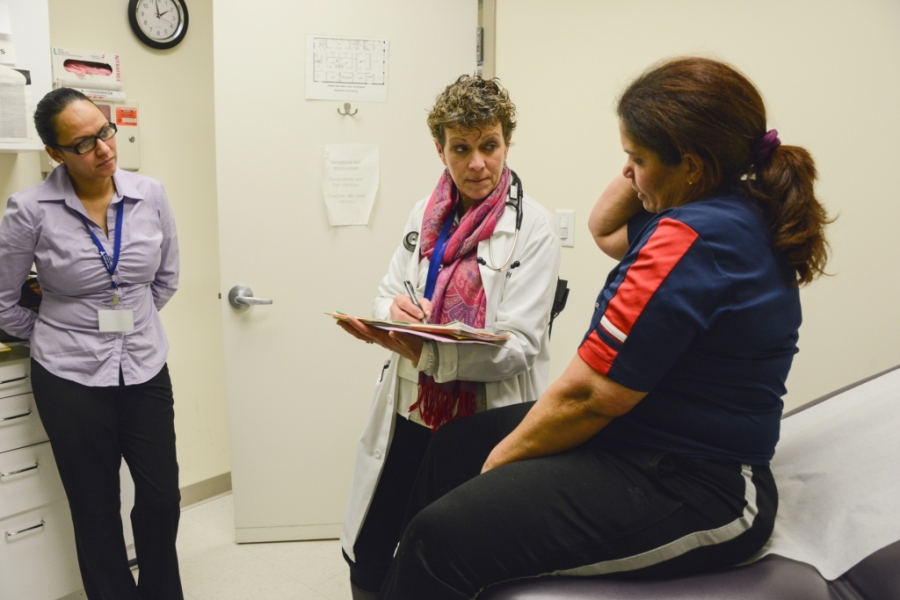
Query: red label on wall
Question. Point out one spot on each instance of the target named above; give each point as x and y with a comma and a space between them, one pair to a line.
126, 117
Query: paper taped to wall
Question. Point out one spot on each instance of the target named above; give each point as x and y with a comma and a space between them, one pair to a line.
350, 182
346, 68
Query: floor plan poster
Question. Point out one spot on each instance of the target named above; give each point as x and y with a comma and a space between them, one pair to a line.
346, 68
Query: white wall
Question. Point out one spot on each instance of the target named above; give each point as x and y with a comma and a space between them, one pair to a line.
175, 91
828, 70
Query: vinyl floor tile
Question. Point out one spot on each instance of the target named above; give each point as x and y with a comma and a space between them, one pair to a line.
214, 567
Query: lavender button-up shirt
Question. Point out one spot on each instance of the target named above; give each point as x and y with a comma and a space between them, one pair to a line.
42, 225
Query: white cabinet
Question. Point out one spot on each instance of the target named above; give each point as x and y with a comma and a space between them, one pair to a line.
37, 545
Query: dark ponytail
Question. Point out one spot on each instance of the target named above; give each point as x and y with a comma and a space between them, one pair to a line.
784, 185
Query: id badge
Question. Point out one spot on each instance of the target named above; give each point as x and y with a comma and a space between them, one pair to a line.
116, 321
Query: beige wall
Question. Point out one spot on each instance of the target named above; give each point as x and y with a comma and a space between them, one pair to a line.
175, 92
828, 71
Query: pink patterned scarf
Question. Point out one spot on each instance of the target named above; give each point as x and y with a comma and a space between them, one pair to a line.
459, 291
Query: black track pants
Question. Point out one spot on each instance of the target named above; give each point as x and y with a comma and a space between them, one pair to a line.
592, 510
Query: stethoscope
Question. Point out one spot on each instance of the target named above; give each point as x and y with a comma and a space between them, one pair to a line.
513, 199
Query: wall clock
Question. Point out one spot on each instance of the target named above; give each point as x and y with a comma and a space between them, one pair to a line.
160, 24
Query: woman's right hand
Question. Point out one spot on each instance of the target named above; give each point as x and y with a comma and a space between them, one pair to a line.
403, 309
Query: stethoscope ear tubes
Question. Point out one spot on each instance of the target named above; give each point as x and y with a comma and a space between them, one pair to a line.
515, 189
410, 240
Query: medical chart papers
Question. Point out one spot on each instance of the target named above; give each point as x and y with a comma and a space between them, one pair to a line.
350, 182
346, 68
455, 332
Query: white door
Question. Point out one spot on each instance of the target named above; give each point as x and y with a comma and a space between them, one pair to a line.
299, 388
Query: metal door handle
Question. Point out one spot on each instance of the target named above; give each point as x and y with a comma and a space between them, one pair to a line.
241, 298
19, 471
16, 379
14, 417
11, 534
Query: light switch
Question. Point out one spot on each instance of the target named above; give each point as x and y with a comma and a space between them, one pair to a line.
565, 227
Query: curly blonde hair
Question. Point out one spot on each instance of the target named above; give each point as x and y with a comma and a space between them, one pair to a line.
472, 103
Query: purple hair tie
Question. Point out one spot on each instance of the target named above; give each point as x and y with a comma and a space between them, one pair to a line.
763, 148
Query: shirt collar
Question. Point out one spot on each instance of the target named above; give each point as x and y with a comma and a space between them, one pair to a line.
58, 186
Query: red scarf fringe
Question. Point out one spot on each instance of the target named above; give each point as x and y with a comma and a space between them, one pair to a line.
438, 405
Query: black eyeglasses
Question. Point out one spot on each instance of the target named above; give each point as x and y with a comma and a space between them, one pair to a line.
88, 144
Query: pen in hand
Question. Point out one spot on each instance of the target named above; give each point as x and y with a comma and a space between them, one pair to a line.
412, 296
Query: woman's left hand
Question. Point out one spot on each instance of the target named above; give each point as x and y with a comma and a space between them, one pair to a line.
406, 345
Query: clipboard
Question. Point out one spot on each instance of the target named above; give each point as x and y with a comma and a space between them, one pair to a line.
455, 332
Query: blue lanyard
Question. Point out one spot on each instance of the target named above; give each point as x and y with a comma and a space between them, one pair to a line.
437, 255
109, 264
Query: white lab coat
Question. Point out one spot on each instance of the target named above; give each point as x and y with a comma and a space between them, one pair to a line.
518, 300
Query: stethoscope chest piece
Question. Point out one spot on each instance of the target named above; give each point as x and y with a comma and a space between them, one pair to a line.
410, 240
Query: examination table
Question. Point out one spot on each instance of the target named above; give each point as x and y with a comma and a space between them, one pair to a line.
837, 536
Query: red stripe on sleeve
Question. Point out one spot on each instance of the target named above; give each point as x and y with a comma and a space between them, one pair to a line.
596, 353
665, 248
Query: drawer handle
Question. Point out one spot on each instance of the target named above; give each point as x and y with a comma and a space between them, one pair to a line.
12, 380
14, 417
33, 529
19, 471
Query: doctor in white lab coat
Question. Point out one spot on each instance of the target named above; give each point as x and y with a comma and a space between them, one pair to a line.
513, 249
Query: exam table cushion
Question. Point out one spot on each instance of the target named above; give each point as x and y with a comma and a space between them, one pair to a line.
875, 578
868, 576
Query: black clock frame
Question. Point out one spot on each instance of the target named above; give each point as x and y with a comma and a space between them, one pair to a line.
159, 45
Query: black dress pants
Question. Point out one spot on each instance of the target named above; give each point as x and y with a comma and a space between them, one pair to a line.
599, 509
91, 429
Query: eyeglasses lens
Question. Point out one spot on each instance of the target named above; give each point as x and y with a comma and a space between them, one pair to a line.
105, 134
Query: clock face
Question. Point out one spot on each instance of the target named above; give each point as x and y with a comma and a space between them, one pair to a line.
158, 23
159, 19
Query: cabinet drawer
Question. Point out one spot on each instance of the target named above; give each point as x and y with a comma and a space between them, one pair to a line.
19, 423
15, 378
28, 478
37, 554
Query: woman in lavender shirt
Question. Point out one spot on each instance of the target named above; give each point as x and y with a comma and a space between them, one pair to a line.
104, 245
